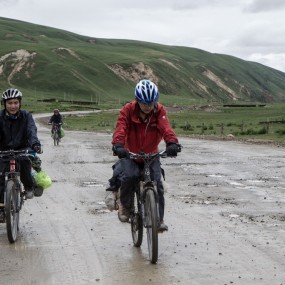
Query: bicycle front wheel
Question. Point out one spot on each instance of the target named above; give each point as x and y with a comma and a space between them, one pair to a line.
136, 222
56, 138
151, 225
12, 210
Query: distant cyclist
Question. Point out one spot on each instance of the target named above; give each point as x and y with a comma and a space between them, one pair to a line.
17, 131
56, 119
141, 126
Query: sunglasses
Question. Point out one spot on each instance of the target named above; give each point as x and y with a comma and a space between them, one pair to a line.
149, 105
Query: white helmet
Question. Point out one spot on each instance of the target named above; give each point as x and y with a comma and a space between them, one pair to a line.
12, 93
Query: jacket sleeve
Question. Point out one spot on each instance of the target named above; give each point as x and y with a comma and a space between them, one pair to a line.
163, 124
122, 126
32, 131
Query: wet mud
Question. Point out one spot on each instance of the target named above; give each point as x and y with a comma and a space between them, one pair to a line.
224, 209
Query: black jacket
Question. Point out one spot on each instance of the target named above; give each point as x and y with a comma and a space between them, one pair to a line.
17, 132
56, 119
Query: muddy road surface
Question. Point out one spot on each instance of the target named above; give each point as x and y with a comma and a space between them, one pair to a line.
225, 208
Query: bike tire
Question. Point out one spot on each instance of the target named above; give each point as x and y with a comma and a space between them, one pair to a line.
12, 210
136, 222
151, 225
55, 139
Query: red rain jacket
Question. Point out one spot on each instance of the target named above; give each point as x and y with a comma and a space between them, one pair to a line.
138, 136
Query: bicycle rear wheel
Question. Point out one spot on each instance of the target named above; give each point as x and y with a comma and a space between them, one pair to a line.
12, 210
136, 221
151, 225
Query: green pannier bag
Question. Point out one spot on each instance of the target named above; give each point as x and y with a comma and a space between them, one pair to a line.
61, 132
42, 179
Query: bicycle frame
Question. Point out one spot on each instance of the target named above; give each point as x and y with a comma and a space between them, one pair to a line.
55, 128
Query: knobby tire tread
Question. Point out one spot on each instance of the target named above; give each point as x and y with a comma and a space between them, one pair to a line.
152, 233
12, 216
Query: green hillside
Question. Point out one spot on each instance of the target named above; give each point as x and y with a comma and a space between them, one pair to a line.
47, 63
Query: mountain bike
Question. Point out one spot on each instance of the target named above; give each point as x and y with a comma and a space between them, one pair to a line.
14, 195
56, 133
145, 209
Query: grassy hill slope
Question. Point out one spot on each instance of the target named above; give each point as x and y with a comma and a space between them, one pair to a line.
50, 63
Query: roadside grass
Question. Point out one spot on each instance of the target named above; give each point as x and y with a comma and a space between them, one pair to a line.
104, 121
245, 123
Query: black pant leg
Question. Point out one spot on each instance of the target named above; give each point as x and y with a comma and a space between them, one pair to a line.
128, 178
25, 172
3, 169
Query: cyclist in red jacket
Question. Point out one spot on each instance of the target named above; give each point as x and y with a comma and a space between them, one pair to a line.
141, 126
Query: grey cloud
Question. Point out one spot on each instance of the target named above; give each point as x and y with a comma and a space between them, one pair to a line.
264, 6
259, 41
161, 4
8, 2
194, 4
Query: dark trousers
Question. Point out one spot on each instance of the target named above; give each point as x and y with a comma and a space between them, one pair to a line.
128, 172
25, 166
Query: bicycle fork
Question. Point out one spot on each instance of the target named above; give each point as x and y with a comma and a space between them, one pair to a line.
144, 187
14, 176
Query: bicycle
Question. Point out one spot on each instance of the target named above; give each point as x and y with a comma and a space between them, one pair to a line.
145, 209
14, 195
56, 133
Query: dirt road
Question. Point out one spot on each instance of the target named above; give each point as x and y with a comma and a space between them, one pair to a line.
224, 208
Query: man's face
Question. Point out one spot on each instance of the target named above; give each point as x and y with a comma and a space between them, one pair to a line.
146, 108
12, 106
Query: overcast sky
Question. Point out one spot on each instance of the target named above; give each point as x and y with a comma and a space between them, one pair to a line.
249, 29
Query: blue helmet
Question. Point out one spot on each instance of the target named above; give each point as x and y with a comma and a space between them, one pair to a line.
146, 92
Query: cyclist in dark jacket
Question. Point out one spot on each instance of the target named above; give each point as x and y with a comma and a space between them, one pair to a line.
141, 126
56, 119
17, 131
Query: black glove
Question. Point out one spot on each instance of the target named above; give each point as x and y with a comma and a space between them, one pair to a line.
37, 148
172, 149
120, 151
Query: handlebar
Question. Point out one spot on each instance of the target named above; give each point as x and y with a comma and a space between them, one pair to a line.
12, 152
144, 156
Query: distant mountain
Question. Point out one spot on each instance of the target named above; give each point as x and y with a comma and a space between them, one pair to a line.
59, 62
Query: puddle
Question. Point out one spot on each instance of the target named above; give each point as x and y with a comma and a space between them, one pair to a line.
216, 175
255, 181
236, 183
91, 184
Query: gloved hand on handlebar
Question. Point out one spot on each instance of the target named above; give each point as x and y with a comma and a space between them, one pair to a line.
172, 149
120, 151
37, 148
